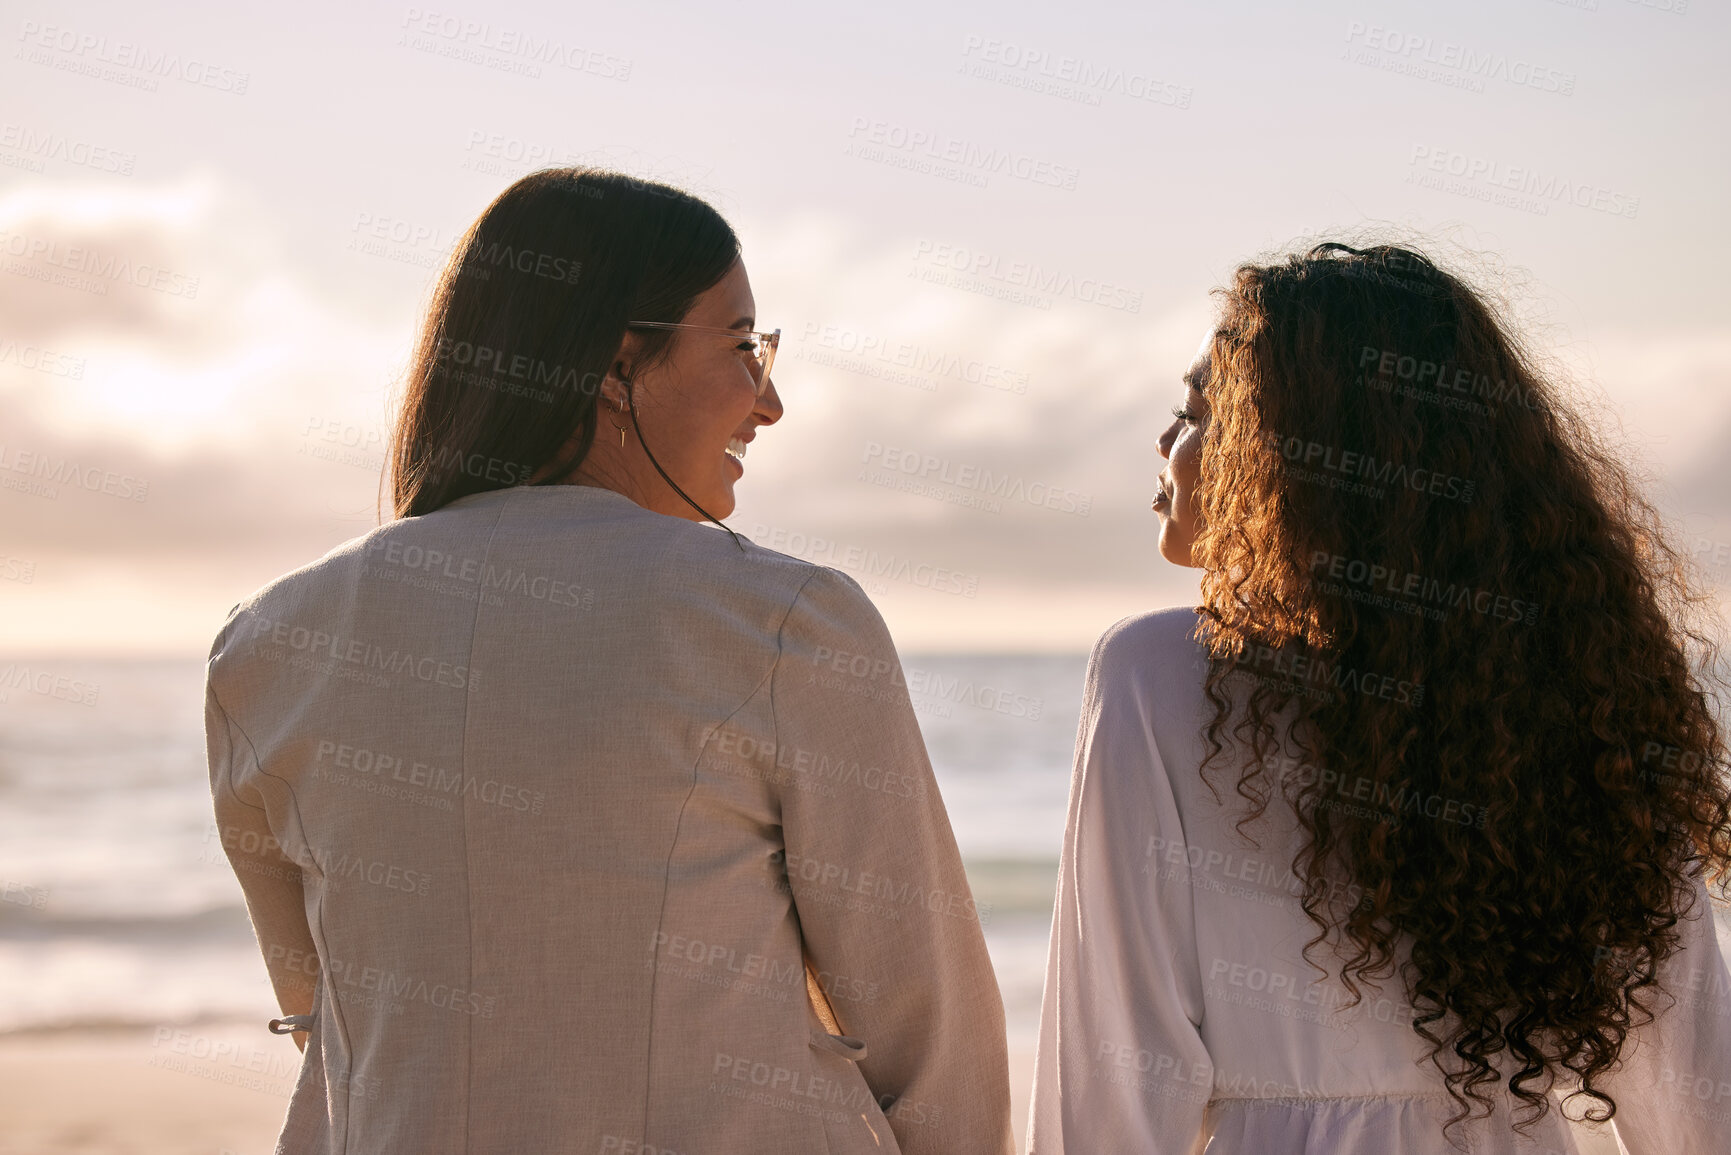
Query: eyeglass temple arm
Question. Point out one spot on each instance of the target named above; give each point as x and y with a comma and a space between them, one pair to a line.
775, 334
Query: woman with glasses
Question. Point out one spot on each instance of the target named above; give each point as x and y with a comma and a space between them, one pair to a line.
568, 822
1399, 842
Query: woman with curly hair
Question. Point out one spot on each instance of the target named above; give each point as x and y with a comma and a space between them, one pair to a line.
1401, 840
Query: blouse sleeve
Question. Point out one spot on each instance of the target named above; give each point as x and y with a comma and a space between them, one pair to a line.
269, 878
1120, 1063
883, 903
1673, 1090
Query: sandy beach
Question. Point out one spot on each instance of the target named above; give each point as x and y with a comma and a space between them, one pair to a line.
114, 1092
211, 1089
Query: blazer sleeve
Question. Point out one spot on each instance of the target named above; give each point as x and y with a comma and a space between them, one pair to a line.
269, 878
884, 906
1673, 1086
1120, 1064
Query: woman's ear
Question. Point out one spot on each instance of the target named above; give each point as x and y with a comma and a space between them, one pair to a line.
615, 388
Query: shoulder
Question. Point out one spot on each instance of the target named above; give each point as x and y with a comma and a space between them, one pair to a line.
1156, 642
1149, 668
1141, 700
663, 555
281, 597
746, 557
811, 597
831, 613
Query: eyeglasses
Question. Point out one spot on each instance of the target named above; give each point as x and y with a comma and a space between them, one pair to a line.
762, 344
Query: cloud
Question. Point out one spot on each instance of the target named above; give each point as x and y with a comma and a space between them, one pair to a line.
951, 392
105, 497
128, 549
173, 315
925, 419
89, 262
163, 453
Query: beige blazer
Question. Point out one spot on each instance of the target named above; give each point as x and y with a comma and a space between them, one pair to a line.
542, 801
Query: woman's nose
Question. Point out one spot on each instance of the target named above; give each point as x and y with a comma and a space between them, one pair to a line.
769, 408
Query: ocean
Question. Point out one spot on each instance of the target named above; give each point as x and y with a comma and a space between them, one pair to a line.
118, 908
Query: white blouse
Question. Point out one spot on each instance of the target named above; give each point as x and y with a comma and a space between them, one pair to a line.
1179, 1016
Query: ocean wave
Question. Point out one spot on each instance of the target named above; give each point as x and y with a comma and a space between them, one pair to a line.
225, 923
121, 1024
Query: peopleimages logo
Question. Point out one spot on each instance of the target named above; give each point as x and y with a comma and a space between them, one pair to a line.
1442, 377
501, 153
1019, 281
44, 146
859, 350
1447, 62
868, 563
871, 138
473, 572
423, 30
488, 362
20, 676
1521, 179
1354, 463
27, 356
1069, 77
1399, 583
87, 52
924, 469
1298, 672
545, 265
51, 470
356, 655
379, 765
103, 267
833, 770
841, 876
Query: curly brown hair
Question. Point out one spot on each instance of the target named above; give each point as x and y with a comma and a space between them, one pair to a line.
1473, 605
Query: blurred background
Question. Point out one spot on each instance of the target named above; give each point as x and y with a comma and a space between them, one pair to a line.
988, 234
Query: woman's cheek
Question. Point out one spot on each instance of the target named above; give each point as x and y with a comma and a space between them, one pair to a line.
1184, 460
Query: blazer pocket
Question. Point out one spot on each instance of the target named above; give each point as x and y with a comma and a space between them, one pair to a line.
848, 1047
853, 1122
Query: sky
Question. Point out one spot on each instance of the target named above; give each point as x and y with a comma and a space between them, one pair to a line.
988, 233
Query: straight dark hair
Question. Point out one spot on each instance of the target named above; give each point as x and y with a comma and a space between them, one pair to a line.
525, 322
